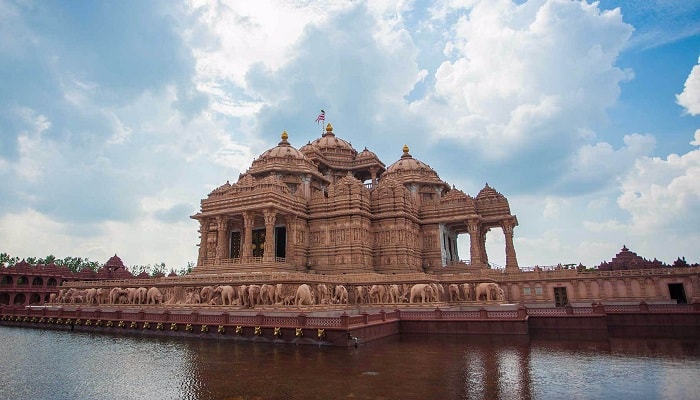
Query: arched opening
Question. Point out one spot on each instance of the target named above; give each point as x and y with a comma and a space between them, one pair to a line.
52, 282
5, 299
22, 280
37, 281
35, 298
6, 280
496, 248
20, 298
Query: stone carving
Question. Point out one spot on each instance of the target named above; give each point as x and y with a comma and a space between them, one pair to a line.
421, 290
488, 291
303, 295
340, 295
154, 296
227, 294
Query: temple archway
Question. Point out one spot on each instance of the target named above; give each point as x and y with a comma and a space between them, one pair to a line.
495, 248
37, 281
6, 280
5, 299
20, 298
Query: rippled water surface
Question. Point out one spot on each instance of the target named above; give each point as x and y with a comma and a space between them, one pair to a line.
40, 364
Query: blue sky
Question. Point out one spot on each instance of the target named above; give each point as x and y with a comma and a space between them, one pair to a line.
116, 118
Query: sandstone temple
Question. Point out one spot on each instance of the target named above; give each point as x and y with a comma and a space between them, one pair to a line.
326, 208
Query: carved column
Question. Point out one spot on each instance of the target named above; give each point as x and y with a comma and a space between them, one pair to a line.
248, 221
221, 242
269, 253
203, 240
482, 246
511, 259
373, 172
474, 246
290, 250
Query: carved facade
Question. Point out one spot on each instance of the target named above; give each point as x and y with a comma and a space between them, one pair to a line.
327, 208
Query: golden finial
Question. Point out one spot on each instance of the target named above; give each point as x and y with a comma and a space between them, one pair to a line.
405, 149
329, 128
284, 135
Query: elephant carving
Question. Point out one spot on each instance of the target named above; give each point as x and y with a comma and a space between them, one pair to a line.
206, 294
154, 296
377, 294
423, 291
303, 295
468, 290
455, 295
340, 295
267, 294
243, 295
141, 295
91, 296
227, 293
323, 294
394, 294
487, 290
253, 295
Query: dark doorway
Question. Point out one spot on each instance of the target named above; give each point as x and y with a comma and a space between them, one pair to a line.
560, 297
258, 242
677, 293
281, 242
235, 251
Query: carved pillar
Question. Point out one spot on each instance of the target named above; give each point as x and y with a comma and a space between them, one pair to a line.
306, 186
203, 240
290, 251
248, 221
511, 259
474, 246
373, 172
269, 253
221, 242
482, 246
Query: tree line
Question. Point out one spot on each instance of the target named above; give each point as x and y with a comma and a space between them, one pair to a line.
78, 264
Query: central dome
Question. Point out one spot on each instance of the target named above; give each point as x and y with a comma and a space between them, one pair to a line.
330, 145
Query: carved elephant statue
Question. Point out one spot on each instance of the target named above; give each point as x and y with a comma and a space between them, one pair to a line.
377, 294
454, 292
360, 294
102, 296
487, 290
340, 295
423, 291
227, 293
141, 295
206, 294
114, 294
303, 295
253, 295
468, 290
132, 295
154, 296
323, 294
267, 294
91, 296
243, 295
395, 294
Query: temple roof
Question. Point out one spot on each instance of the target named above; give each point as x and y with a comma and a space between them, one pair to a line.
409, 170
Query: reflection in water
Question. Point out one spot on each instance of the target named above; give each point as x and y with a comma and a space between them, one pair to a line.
63, 365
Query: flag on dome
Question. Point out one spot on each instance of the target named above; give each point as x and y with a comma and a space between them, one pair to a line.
321, 117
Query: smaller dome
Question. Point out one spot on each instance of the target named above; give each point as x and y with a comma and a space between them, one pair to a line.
283, 149
488, 193
366, 154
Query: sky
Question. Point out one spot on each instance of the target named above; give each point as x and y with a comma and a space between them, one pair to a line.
117, 118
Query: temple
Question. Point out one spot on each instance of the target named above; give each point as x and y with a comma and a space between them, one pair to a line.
327, 208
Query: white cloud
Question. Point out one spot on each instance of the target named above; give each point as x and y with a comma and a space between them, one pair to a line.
600, 164
29, 144
662, 194
689, 98
525, 73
